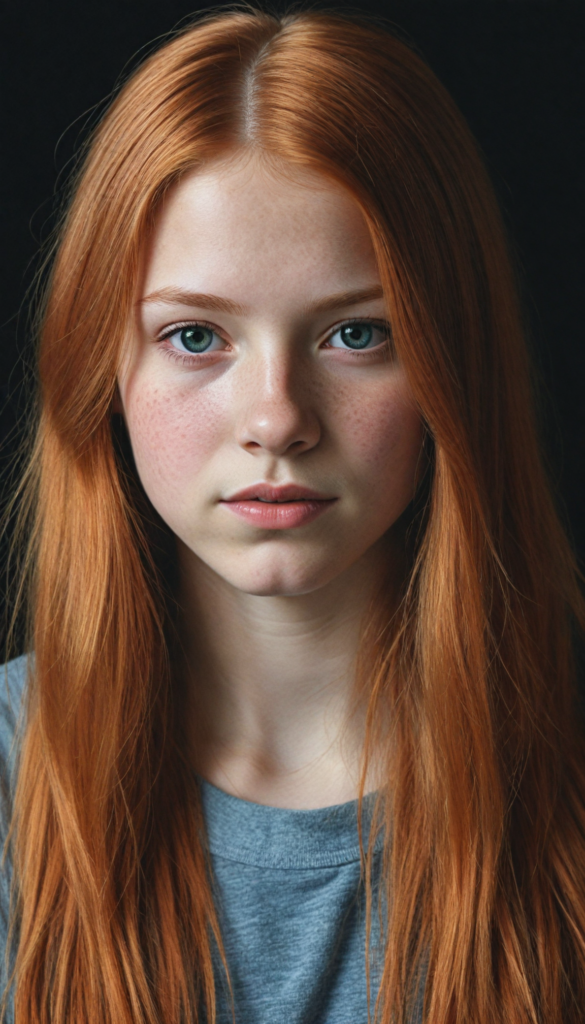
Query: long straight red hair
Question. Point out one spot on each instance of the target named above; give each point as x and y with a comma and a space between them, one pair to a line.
470, 685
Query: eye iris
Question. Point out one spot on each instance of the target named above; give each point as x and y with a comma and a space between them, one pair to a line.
357, 335
196, 339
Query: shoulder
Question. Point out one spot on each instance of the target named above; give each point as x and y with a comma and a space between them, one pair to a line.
13, 678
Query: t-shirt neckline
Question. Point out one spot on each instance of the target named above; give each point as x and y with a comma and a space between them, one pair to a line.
277, 837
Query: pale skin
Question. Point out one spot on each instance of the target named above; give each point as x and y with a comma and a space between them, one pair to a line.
275, 274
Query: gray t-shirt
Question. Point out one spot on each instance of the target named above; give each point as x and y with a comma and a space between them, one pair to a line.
290, 902
291, 911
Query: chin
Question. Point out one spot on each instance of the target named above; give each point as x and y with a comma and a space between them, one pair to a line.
279, 580
275, 587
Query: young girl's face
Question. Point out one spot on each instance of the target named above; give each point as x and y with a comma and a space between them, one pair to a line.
271, 426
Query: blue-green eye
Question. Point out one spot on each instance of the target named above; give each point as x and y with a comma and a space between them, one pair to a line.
361, 334
194, 338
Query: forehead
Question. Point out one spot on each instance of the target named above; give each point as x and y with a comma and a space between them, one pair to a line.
243, 225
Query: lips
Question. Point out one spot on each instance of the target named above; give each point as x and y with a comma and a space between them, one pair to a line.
277, 508
279, 495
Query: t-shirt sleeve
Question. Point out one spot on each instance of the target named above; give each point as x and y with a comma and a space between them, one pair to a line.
12, 687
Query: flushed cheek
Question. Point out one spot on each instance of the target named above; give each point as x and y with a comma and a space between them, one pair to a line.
173, 436
381, 429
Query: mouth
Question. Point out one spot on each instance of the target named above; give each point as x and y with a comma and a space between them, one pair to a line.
278, 508
279, 495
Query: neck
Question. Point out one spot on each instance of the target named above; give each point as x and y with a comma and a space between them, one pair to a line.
273, 714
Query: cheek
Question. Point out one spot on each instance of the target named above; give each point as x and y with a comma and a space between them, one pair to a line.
172, 435
380, 427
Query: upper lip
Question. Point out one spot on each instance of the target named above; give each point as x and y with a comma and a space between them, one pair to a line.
286, 492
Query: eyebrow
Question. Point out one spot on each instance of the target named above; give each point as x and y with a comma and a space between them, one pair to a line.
177, 297
200, 300
353, 298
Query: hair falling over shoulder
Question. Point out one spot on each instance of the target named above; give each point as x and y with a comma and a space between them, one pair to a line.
471, 686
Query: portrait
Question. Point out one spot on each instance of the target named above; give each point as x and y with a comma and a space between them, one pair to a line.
291, 727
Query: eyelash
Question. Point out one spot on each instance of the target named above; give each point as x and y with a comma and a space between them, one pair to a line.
186, 359
183, 357
382, 325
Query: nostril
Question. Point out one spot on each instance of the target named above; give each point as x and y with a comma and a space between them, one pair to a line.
278, 433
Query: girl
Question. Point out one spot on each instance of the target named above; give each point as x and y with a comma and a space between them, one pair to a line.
297, 739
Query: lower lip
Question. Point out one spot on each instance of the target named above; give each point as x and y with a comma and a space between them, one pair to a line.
279, 516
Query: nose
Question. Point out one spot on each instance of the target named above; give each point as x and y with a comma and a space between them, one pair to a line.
279, 416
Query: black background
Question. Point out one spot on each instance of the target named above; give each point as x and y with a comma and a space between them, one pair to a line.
514, 68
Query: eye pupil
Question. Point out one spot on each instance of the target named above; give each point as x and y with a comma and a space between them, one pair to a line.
357, 335
197, 338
